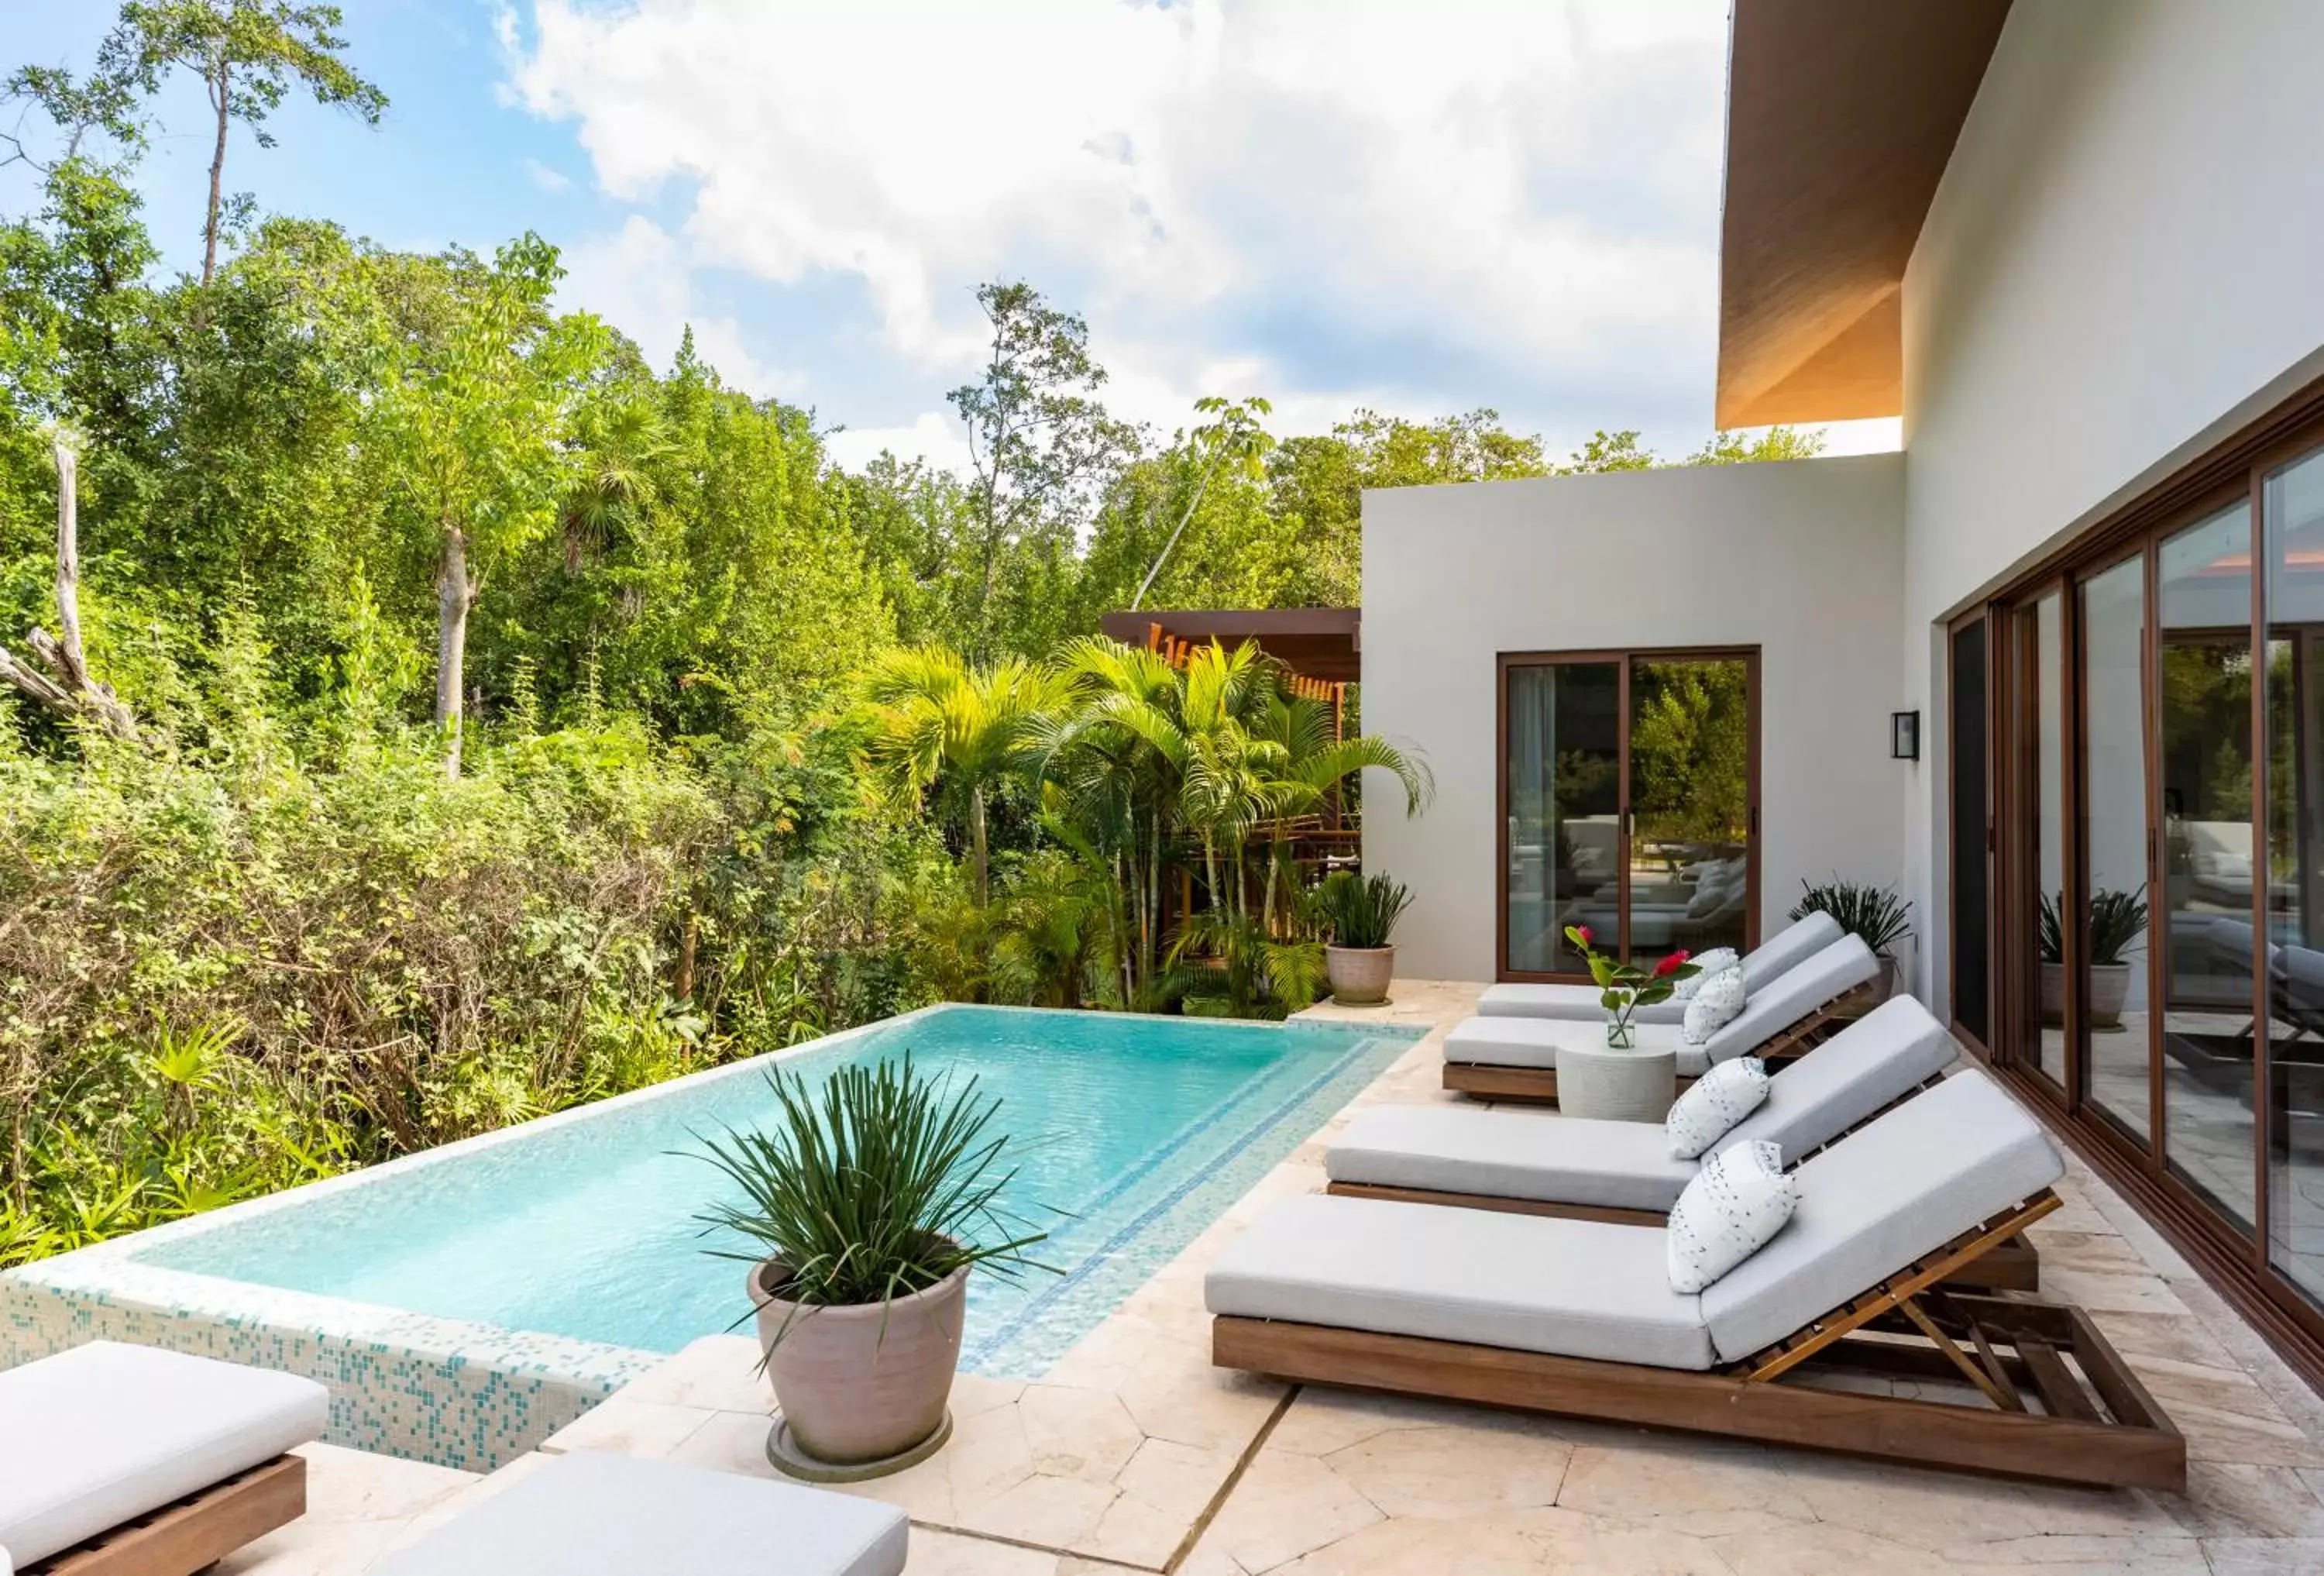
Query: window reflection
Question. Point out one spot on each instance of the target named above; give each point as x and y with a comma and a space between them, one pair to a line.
1690, 795
1564, 796
2113, 798
2294, 513
2206, 907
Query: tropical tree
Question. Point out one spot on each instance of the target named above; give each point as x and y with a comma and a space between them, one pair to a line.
249, 54
1236, 440
478, 427
938, 722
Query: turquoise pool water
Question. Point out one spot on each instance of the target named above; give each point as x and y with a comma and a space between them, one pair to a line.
1133, 1134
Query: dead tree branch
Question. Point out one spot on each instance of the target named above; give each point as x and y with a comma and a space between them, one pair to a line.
65, 686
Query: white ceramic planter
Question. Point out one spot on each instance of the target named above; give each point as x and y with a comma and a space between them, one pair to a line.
1359, 975
861, 1384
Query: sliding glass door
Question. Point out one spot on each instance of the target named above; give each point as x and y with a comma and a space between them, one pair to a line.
1629, 789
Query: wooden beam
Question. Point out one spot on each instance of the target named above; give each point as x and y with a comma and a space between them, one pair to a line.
194, 1533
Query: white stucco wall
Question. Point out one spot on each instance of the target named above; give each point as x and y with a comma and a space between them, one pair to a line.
1803, 559
2120, 266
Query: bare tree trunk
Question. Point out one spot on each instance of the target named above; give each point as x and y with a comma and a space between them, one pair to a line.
221, 99
455, 594
66, 687
976, 843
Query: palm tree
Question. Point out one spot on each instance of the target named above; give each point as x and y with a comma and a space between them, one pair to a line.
937, 722
618, 442
1318, 760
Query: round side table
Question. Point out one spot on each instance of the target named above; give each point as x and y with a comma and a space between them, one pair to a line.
1611, 1085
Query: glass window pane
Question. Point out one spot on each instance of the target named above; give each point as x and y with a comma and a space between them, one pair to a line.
2295, 870
1691, 805
2114, 797
2050, 820
1563, 832
2206, 911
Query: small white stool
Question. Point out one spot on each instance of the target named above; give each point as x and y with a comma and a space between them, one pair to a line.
1611, 1085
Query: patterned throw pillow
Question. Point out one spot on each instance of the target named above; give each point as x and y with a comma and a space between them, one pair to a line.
1720, 1099
1733, 1208
1717, 960
1717, 1004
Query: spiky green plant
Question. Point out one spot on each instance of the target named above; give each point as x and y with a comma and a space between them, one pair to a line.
1362, 911
881, 1185
2117, 920
1876, 914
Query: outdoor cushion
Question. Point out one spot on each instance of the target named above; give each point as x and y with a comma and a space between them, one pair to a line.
104, 1432
1575, 1288
1873, 1062
592, 1514
1570, 1002
1511, 1154
1533, 1042
1896, 1188
1833, 972
1717, 960
1711, 1108
1719, 1003
1789, 947
1878, 1059
1729, 1212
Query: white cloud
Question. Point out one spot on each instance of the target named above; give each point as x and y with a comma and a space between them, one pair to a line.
640, 280
1322, 202
935, 436
547, 179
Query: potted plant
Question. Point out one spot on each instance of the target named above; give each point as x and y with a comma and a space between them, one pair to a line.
1875, 915
866, 1208
2117, 920
1624, 988
1359, 914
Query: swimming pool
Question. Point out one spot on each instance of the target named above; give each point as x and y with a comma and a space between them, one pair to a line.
567, 1248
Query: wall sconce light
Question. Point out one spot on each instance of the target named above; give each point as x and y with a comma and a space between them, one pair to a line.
1903, 735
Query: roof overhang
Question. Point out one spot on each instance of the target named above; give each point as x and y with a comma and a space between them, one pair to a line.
1323, 643
1841, 116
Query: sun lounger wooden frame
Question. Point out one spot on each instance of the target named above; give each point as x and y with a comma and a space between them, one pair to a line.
194, 1533
1500, 1080
2011, 1265
2095, 1424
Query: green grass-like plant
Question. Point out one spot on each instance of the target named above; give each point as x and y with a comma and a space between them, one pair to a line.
881, 1185
1877, 914
1361, 911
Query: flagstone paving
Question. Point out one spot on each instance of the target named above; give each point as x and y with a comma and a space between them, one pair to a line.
1136, 1454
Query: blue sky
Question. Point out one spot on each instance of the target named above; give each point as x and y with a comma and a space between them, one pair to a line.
1365, 202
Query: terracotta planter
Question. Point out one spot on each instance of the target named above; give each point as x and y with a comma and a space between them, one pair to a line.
1359, 975
850, 1391
2109, 989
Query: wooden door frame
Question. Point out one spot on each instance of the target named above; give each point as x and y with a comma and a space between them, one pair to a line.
1622, 657
1978, 617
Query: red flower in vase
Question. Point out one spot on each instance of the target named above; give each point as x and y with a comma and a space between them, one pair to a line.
1671, 965
1586, 934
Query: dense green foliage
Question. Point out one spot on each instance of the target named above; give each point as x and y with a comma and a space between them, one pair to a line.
516, 722
1361, 911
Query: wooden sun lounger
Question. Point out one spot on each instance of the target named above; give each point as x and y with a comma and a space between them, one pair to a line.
2055, 1401
194, 1533
2012, 1265
1492, 1081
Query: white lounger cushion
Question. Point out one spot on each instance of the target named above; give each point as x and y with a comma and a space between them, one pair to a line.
590, 1514
1511, 1154
1576, 1288
1876, 1060
103, 1433
1882, 1197
1872, 1203
1533, 1042
1778, 954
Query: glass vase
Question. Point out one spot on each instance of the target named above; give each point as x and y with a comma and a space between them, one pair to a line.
1621, 1035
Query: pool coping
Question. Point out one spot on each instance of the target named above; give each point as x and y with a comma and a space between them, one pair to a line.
456, 1392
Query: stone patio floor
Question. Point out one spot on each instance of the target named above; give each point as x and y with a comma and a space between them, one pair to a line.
1135, 1454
